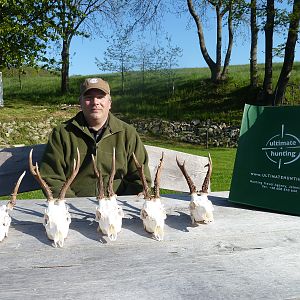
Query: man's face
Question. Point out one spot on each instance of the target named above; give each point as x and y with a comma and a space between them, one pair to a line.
95, 105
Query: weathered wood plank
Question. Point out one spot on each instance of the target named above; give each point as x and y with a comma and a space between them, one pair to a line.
245, 254
172, 178
13, 161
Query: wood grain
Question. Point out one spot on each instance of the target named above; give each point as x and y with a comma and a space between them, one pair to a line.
245, 254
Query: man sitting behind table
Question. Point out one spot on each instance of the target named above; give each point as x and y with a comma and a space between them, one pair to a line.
94, 130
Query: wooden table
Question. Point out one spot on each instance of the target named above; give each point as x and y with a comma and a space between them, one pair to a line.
245, 254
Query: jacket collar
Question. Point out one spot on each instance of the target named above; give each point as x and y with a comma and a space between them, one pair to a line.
113, 124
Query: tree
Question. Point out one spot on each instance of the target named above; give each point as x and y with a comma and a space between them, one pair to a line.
289, 53
170, 56
161, 58
24, 33
253, 50
221, 8
274, 18
144, 56
269, 30
118, 56
72, 18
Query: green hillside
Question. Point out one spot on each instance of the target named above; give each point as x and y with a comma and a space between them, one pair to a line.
148, 95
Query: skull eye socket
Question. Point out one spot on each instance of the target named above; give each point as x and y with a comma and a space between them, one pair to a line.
98, 215
144, 214
46, 220
5, 221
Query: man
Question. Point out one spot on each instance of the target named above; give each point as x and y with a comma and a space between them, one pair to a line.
94, 130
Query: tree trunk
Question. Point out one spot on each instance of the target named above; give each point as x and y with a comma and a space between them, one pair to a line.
20, 79
215, 67
65, 56
219, 44
253, 51
1, 91
123, 77
289, 54
230, 43
269, 30
143, 75
211, 64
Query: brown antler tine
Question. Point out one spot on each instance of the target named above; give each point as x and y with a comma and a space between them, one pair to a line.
157, 177
140, 169
67, 184
100, 179
210, 161
13, 199
208, 175
112, 175
187, 177
36, 174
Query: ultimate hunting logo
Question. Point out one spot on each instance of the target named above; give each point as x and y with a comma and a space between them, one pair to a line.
282, 148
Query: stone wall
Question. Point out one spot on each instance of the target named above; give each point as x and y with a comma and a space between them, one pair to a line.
26, 132
204, 133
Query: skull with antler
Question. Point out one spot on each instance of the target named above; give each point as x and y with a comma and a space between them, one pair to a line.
57, 218
5, 218
152, 213
201, 208
108, 214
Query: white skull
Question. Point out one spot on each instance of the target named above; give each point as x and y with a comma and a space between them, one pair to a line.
5, 218
5, 221
57, 220
153, 215
201, 209
109, 216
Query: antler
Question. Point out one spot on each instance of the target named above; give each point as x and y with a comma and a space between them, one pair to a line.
13, 199
36, 174
140, 169
100, 180
208, 175
157, 177
110, 188
187, 177
67, 184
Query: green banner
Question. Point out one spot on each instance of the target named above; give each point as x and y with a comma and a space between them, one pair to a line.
267, 166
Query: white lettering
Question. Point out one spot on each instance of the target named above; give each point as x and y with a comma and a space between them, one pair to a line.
283, 154
283, 143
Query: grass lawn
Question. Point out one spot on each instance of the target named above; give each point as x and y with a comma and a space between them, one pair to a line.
222, 158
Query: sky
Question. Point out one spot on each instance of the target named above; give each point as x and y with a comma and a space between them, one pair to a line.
84, 51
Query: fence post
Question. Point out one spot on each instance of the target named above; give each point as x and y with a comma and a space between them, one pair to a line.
1, 91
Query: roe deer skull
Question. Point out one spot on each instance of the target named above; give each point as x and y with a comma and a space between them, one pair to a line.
57, 218
152, 213
201, 209
108, 214
5, 218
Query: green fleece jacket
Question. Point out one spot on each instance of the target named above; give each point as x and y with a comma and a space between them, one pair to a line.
57, 162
